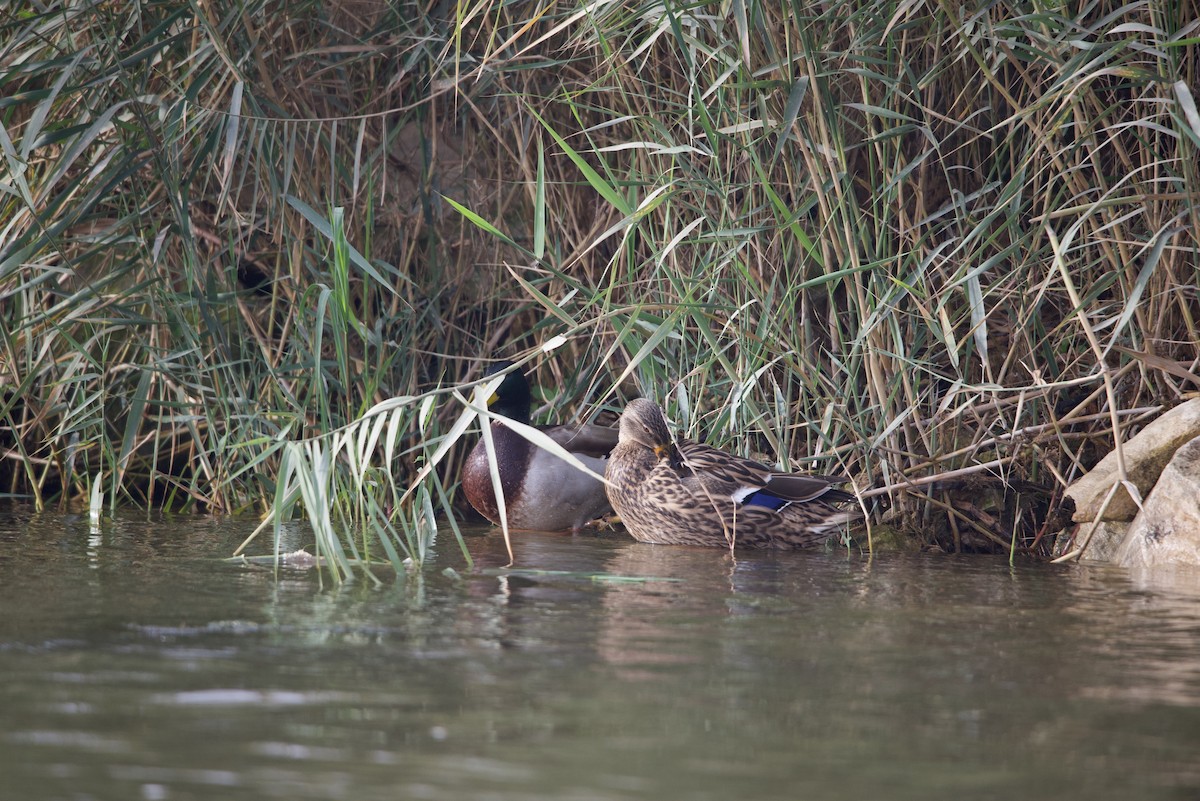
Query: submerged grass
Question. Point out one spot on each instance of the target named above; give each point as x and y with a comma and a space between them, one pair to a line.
250, 254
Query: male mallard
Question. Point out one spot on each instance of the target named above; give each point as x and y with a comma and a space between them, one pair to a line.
685, 493
541, 491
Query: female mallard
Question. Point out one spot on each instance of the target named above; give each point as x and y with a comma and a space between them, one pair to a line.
685, 493
541, 491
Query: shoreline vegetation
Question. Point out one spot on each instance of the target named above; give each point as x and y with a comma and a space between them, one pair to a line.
252, 254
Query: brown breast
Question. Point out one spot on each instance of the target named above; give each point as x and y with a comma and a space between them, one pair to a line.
512, 458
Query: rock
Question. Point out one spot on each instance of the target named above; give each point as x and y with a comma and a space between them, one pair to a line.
1101, 547
887, 538
1146, 454
1167, 531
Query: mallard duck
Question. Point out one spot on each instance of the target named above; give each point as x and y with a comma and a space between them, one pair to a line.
685, 493
541, 491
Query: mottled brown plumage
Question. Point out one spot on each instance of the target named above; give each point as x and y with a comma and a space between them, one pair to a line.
541, 491
686, 493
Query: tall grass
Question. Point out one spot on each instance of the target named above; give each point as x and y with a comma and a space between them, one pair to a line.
249, 251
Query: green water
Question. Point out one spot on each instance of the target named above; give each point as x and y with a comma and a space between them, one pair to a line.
137, 665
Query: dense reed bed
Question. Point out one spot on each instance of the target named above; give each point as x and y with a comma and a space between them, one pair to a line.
250, 252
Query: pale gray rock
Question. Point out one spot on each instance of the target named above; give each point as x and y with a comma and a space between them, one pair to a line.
1167, 531
1101, 547
1146, 454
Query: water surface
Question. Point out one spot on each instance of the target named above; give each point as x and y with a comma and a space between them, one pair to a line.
137, 664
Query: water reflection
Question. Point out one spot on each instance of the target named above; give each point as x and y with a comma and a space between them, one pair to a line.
597, 667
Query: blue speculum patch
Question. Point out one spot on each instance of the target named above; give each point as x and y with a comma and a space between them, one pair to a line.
764, 499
